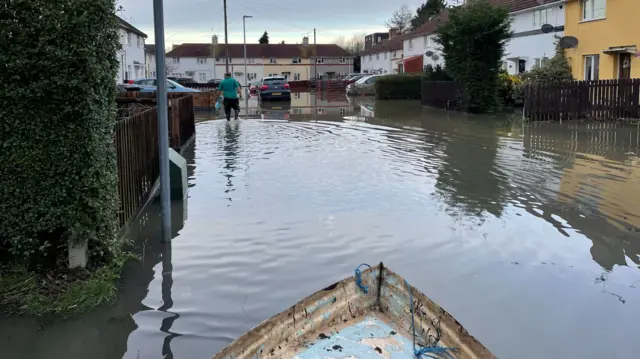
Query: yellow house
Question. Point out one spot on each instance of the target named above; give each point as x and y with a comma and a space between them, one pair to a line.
608, 33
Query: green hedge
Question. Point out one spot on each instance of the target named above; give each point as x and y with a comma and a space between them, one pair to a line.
58, 180
399, 87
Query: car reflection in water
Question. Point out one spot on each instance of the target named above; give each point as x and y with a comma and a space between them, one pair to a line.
278, 111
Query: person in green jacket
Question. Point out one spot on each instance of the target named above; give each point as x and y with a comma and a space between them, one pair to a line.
230, 89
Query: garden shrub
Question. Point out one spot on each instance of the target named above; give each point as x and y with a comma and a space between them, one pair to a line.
473, 45
399, 87
58, 181
436, 73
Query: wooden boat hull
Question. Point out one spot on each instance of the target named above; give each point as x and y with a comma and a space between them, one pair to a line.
369, 316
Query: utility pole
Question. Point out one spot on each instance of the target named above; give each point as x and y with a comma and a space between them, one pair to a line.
315, 50
226, 40
163, 121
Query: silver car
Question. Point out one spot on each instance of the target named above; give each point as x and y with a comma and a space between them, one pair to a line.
364, 86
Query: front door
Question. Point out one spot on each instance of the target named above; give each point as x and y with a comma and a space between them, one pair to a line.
624, 66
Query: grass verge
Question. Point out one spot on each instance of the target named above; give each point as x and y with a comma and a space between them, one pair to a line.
63, 293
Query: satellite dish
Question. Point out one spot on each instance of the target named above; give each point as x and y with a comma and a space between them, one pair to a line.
429, 53
568, 42
435, 57
547, 28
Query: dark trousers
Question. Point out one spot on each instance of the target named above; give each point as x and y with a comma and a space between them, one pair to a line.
231, 103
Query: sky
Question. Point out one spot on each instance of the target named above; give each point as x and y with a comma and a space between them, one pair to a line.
288, 20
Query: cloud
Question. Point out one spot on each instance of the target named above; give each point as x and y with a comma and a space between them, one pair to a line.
289, 20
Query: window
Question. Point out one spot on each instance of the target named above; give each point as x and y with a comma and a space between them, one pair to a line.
272, 60
319, 60
427, 41
251, 76
128, 38
343, 110
139, 40
385, 55
542, 17
377, 56
343, 60
250, 60
296, 95
176, 60
594, 9
202, 77
591, 67
411, 43
370, 58
297, 111
296, 60
202, 60
296, 77
320, 110
537, 62
394, 54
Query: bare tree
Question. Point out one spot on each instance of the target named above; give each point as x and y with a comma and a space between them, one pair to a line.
353, 44
169, 67
400, 19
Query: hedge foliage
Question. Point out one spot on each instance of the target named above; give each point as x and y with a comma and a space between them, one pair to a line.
399, 87
473, 45
58, 66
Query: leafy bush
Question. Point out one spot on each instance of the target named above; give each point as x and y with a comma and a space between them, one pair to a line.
437, 73
473, 44
57, 113
555, 70
398, 87
507, 86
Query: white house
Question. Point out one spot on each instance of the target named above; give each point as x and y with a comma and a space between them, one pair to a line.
529, 46
131, 56
383, 57
421, 42
150, 60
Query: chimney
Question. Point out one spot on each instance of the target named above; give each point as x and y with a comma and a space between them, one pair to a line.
305, 41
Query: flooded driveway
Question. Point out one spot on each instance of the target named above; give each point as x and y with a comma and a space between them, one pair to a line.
527, 234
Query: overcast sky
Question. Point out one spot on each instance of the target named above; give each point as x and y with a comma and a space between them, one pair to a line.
288, 20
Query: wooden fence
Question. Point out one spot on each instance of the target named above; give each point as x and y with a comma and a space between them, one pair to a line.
136, 141
442, 94
578, 100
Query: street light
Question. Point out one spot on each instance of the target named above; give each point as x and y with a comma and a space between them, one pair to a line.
244, 35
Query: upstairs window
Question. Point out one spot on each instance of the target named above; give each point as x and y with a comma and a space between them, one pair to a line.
319, 60
296, 60
272, 60
411, 43
542, 17
202, 60
343, 60
594, 9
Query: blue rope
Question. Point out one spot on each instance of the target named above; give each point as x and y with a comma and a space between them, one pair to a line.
359, 278
428, 351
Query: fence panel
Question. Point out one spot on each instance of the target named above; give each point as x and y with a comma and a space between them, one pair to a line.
578, 100
442, 94
136, 142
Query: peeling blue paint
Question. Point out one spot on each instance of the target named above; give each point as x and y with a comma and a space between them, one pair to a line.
369, 339
319, 304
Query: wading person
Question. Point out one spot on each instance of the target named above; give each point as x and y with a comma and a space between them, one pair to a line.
230, 92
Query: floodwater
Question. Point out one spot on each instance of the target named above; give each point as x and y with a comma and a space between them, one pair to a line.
527, 234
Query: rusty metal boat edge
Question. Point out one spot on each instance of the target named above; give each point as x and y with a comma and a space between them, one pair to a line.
379, 293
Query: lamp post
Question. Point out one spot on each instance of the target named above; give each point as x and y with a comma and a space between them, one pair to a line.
244, 35
163, 122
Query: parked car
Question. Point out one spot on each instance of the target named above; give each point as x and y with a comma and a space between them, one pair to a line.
364, 86
149, 85
351, 79
253, 86
183, 80
127, 87
274, 88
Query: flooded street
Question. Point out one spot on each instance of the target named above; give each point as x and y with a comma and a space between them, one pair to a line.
528, 234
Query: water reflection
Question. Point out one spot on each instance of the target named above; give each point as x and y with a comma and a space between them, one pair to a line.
230, 147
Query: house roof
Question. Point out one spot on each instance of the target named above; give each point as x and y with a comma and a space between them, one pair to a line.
260, 50
125, 25
432, 25
392, 44
519, 5
150, 48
